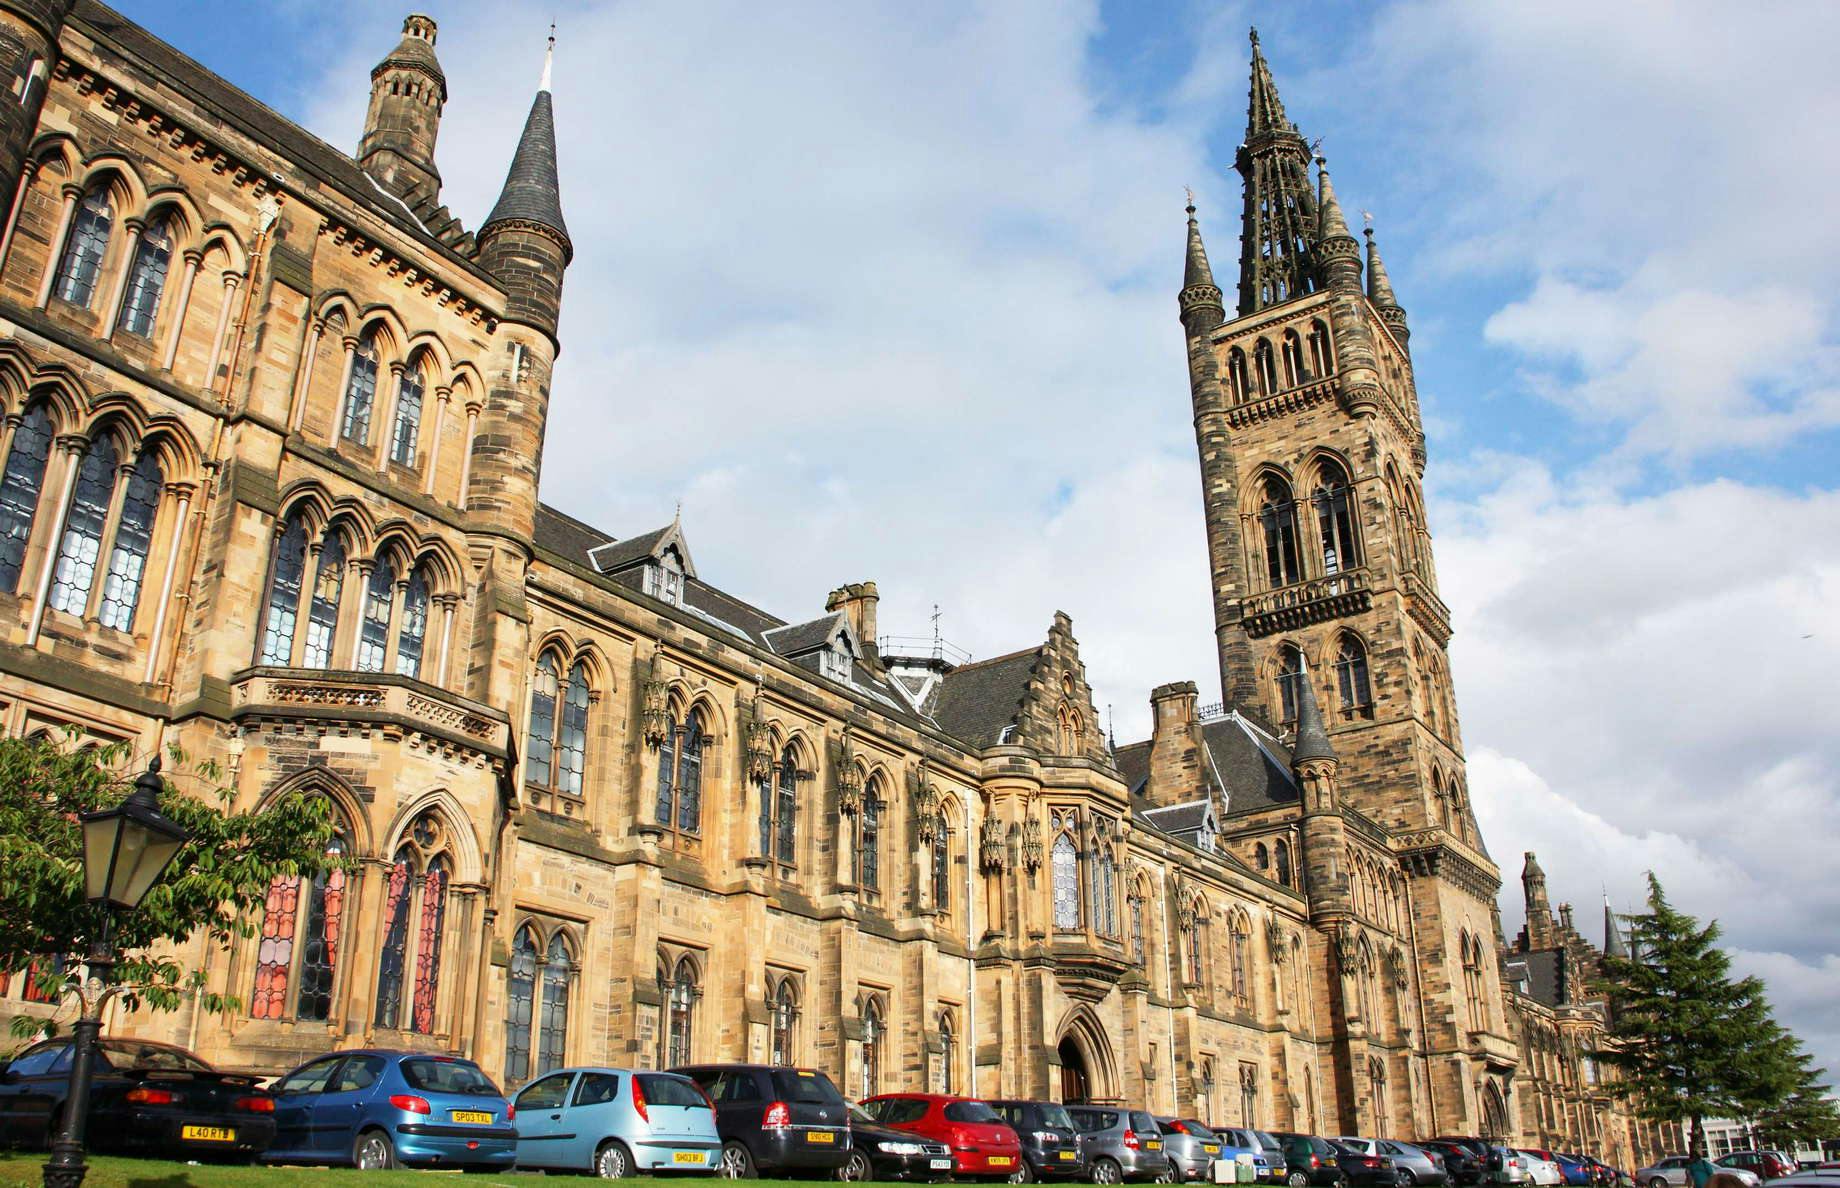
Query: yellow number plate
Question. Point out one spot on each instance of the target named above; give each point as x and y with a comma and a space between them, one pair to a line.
1068, 1155
695, 1157
477, 1117
820, 1136
1153, 1146
999, 1161
208, 1134
1211, 1148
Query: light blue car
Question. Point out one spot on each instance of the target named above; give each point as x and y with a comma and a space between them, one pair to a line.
616, 1121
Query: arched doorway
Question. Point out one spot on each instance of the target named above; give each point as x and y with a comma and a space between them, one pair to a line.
1494, 1112
1075, 1085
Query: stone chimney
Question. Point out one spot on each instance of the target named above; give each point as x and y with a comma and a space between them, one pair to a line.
858, 600
1175, 746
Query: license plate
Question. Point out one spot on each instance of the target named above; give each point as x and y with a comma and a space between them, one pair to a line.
1210, 1148
1068, 1156
476, 1117
1153, 1146
820, 1136
940, 1164
695, 1157
999, 1161
208, 1134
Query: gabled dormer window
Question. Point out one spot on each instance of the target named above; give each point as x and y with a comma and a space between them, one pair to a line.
834, 661
664, 578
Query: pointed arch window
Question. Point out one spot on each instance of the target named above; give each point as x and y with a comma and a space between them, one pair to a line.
1137, 926
678, 988
412, 636
285, 575
1064, 866
301, 951
1248, 1094
680, 774
942, 867
553, 1024
1333, 500
1278, 522
140, 503
415, 912
869, 838
540, 750
556, 754
81, 546
147, 278
1264, 358
1351, 679
785, 1022
379, 605
520, 1000
405, 431
779, 808
81, 263
948, 1053
872, 1031
1290, 673
1105, 875
1282, 857
1240, 954
1322, 360
1237, 376
323, 607
21, 484
361, 391
1195, 938
1295, 372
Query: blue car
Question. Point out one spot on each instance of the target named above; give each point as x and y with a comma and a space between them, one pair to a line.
1576, 1171
614, 1121
375, 1109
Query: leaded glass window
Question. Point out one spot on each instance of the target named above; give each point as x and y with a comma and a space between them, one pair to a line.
394, 958
121, 588
323, 610
1278, 519
20, 486
788, 804
1137, 928
690, 773
872, 1047
428, 959
374, 631
1290, 672
667, 775
948, 1052
680, 1005
942, 869
1335, 520
870, 849
539, 752
319, 941
361, 391
300, 930
275, 951
553, 1027
572, 750
81, 264
408, 425
785, 1020
1064, 867
290, 566
1196, 931
81, 546
412, 636
520, 997
1351, 675
147, 279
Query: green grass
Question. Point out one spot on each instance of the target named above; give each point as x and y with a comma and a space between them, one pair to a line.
18, 1170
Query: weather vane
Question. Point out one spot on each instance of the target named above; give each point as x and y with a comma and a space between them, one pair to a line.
1190, 191
1367, 219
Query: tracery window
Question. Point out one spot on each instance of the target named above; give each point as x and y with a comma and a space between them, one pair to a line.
140, 503
779, 808
88, 242
1376, 1073
21, 484
785, 1022
1321, 358
869, 837
286, 572
553, 1023
1237, 377
942, 867
678, 988
1278, 520
1137, 926
520, 999
1290, 674
1351, 675
873, 1031
81, 545
323, 605
147, 278
948, 1053
405, 432
1263, 358
680, 774
374, 630
1333, 500
1195, 937
412, 636
415, 906
1105, 879
1064, 865
1294, 370
361, 391
300, 952
1240, 954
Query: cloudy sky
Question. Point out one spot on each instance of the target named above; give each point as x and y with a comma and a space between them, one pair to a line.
888, 291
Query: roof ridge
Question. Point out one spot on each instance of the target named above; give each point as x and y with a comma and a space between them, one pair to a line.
985, 663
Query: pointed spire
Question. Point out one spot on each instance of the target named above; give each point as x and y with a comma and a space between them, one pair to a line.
1279, 224
1200, 299
1197, 271
549, 58
1380, 287
533, 193
1312, 739
1613, 933
1329, 221
1264, 110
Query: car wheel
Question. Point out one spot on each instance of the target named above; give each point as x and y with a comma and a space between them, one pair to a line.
856, 1168
1658, 1182
1297, 1179
373, 1151
1106, 1171
612, 1161
1023, 1175
1406, 1178
737, 1164
1167, 1175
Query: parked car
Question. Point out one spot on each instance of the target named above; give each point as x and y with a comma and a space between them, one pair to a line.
1574, 1171
1266, 1152
983, 1145
1050, 1143
1120, 1144
1542, 1168
1663, 1173
1601, 1174
774, 1119
375, 1108
1192, 1148
1416, 1165
1309, 1160
1768, 1165
880, 1152
615, 1121
146, 1098
1463, 1165
1369, 1169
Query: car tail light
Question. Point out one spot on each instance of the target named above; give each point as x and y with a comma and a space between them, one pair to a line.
1369, 1161
409, 1103
1178, 1128
1315, 1162
1130, 1140
639, 1101
510, 1111
777, 1117
255, 1105
144, 1096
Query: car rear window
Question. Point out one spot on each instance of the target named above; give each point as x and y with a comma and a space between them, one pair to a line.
805, 1085
970, 1111
122, 1054
1094, 1120
448, 1076
1267, 1141
1144, 1122
1056, 1116
664, 1089
897, 1110
1199, 1130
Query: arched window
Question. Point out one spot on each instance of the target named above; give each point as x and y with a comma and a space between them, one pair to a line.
572, 746
1263, 358
869, 838
1195, 937
785, 1023
1278, 520
323, 608
1065, 867
140, 304
81, 263
520, 1000
379, 605
1137, 926
1334, 518
1241, 957
1262, 856
1106, 874
415, 905
296, 952
361, 391
779, 808
872, 1031
1321, 358
81, 545
948, 1053
540, 750
1282, 853
285, 575
1472, 982
556, 754
680, 775
1290, 673
680, 993
20, 486
412, 636
1294, 370
405, 432
140, 502
1376, 1073
942, 867
1351, 675
553, 1023
1237, 376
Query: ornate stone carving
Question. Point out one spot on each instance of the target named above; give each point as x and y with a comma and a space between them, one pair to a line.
656, 719
1345, 947
759, 747
302, 693
849, 779
1277, 940
1031, 843
990, 845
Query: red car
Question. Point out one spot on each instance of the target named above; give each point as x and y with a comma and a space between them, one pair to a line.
983, 1146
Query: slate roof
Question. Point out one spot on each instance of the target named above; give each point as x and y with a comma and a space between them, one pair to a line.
617, 555
1177, 818
799, 638
532, 192
1133, 762
1254, 769
1545, 975
975, 702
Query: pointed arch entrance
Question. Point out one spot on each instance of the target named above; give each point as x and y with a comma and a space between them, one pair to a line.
1088, 1071
1494, 1111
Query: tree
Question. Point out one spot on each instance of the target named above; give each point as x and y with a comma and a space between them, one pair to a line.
227, 865
1807, 1114
1691, 1042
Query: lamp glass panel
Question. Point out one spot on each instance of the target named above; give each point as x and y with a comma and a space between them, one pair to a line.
100, 836
152, 852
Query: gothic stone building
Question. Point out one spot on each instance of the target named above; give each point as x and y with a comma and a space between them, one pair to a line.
269, 492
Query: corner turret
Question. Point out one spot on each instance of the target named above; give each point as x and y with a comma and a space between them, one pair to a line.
408, 91
29, 32
1380, 292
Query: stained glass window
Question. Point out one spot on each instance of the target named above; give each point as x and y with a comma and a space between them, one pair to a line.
20, 486
412, 636
788, 804
521, 988
323, 611
428, 961
1064, 864
374, 631
553, 1029
284, 593
872, 1047
147, 278
394, 958
361, 391
83, 251
121, 588
871, 845
408, 426
275, 952
690, 773
319, 941
572, 751
83, 525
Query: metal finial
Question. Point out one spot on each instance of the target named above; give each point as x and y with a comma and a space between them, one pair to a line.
1190, 191
549, 57
1255, 37
1367, 222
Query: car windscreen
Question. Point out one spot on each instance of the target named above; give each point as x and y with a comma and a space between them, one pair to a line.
898, 1110
448, 1076
970, 1111
804, 1085
1093, 1120
664, 1089
1055, 1116
127, 1054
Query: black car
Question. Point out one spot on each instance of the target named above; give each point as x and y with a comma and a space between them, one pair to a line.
1050, 1142
1365, 1170
775, 1119
1309, 1160
880, 1152
1464, 1165
146, 1099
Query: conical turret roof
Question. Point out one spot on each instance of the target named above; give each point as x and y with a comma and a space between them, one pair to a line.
1379, 285
533, 192
1197, 270
1312, 738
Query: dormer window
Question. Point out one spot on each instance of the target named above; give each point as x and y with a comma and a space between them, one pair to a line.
664, 578
835, 660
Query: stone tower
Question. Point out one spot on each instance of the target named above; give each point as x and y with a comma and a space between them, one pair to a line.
408, 91
1311, 450
28, 51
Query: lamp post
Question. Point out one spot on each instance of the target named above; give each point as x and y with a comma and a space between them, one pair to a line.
125, 851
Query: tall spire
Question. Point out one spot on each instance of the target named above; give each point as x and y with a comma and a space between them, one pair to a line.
1380, 291
1200, 298
1276, 260
1338, 256
533, 193
1312, 739
549, 58
1613, 933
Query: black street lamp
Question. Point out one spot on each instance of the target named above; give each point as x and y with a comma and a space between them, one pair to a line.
125, 851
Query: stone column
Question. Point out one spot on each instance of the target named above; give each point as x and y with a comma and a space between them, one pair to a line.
26, 177
338, 410
111, 309
432, 463
73, 447
181, 307
56, 249
297, 404
231, 281
182, 493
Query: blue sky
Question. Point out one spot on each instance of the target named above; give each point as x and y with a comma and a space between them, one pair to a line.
888, 292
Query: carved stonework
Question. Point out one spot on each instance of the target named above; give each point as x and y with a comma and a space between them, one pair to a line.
759, 748
1345, 947
1396, 966
657, 715
300, 693
1031, 843
1277, 940
849, 779
990, 845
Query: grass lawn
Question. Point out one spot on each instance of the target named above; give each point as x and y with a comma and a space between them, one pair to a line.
19, 1170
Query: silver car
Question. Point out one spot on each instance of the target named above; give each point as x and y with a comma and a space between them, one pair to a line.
1121, 1144
1192, 1148
1416, 1165
1672, 1173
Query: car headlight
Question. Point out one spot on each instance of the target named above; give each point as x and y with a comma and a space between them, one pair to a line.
900, 1148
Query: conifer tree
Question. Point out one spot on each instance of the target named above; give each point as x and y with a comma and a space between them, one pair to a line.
1807, 1113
